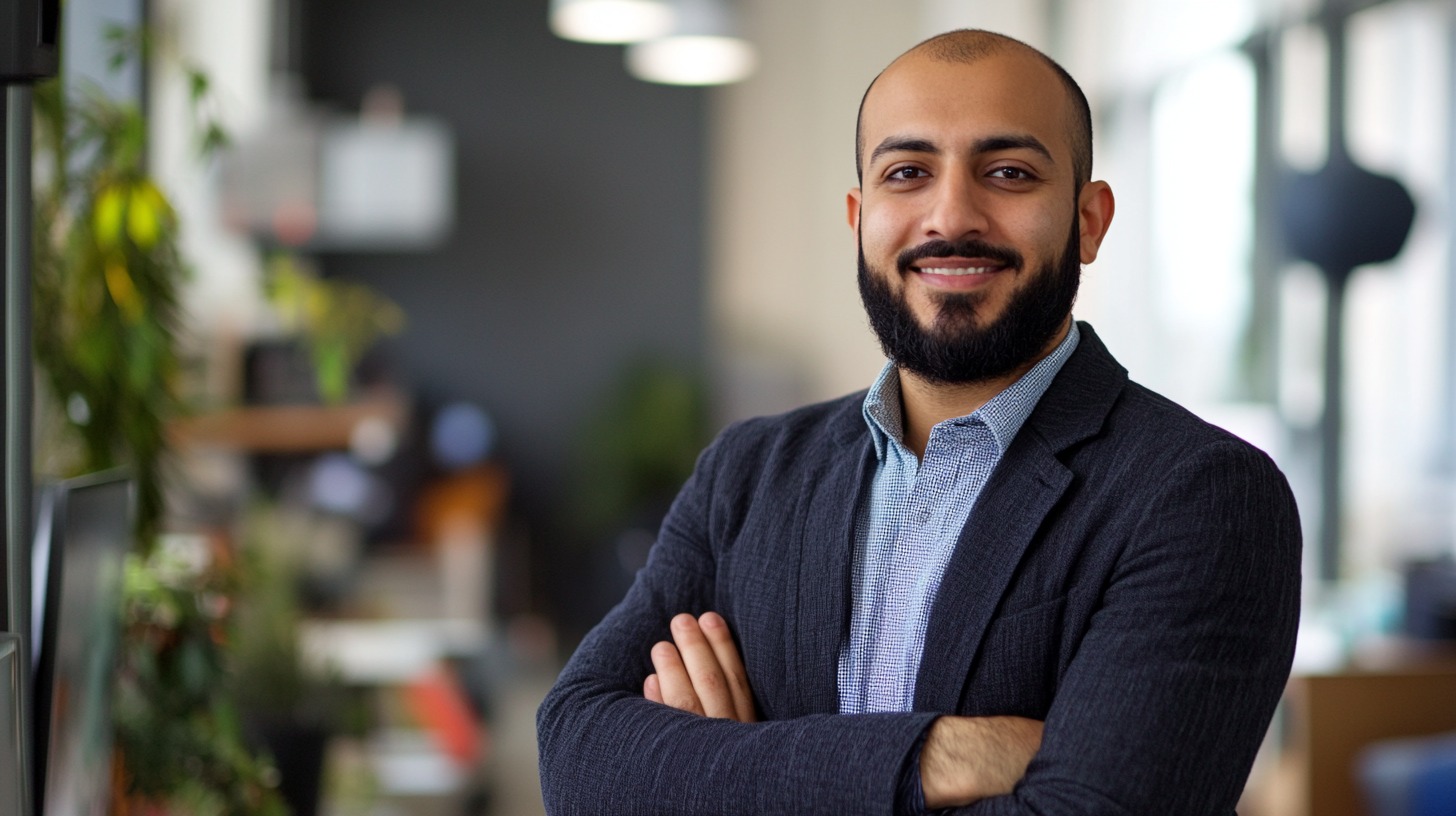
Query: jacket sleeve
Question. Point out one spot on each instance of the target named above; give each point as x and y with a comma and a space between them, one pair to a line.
605, 749
1170, 692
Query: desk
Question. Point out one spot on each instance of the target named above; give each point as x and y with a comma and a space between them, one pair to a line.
1330, 718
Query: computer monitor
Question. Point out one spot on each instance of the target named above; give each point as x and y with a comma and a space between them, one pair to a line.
83, 532
15, 782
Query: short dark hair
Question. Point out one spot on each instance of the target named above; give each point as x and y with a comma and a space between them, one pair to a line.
969, 45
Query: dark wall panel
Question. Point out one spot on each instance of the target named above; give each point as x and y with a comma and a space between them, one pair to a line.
578, 242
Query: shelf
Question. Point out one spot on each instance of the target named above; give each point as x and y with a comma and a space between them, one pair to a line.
289, 428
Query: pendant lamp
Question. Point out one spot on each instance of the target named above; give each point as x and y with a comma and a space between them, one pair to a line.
703, 48
611, 21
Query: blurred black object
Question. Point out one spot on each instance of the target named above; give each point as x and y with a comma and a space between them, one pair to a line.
1430, 599
29, 34
298, 753
278, 372
1343, 216
1339, 218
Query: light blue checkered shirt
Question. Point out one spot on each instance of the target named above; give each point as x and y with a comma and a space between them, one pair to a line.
909, 526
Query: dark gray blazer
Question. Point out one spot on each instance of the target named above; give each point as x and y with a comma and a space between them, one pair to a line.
1130, 575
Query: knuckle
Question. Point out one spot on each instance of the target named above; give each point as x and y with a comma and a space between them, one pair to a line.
685, 702
711, 683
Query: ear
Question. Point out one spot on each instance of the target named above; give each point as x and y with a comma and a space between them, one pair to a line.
1095, 206
852, 205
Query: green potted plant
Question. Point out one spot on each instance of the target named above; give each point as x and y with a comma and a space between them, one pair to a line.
632, 456
107, 274
179, 730
335, 321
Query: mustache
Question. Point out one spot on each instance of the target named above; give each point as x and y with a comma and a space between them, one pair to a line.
971, 248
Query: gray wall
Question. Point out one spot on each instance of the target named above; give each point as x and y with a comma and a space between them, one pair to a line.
578, 242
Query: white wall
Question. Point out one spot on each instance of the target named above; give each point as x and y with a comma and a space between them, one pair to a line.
786, 315
227, 40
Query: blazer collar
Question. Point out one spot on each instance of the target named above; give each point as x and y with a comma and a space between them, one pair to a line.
1026, 485
1071, 410
1080, 398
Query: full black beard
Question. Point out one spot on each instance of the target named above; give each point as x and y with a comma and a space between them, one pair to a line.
959, 347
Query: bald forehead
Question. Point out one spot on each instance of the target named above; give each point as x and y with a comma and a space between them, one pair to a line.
954, 47
1032, 69
970, 46
965, 46
1003, 70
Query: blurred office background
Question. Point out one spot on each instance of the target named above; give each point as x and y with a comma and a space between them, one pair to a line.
595, 272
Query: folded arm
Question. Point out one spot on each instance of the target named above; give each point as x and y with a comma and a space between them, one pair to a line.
1159, 711
1172, 687
607, 749
963, 759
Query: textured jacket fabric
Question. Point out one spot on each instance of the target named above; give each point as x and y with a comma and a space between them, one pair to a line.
1130, 576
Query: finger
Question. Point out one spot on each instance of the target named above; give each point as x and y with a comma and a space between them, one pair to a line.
715, 629
709, 682
673, 680
651, 689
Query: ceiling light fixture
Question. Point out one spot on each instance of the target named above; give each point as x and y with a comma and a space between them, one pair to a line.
703, 48
611, 21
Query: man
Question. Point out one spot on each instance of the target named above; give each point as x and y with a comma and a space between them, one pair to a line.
1005, 579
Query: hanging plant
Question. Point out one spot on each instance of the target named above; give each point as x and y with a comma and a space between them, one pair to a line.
107, 277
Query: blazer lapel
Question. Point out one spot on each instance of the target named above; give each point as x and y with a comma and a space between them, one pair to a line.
817, 630
1025, 486
1023, 490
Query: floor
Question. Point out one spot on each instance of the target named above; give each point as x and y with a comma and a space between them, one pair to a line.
515, 785
414, 783
399, 770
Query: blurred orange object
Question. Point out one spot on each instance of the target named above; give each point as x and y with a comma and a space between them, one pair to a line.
438, 703
471, 501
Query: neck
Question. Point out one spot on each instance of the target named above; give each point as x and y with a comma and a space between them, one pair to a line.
926, 404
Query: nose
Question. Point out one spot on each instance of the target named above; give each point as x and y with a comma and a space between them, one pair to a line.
957, 209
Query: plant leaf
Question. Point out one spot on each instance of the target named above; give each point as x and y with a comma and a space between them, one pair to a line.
197, 83
107, 216
144, 212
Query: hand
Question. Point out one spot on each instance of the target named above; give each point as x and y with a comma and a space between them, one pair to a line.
966, 759
700, 671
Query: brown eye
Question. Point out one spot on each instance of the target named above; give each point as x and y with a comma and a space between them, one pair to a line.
1011, 174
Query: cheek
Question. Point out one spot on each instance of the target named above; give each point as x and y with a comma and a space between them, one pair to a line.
883, 230
1041, 236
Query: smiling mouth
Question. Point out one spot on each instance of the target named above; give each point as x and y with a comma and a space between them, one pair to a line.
959, 259
956, 271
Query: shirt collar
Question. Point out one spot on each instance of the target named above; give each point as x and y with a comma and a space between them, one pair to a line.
1004, 414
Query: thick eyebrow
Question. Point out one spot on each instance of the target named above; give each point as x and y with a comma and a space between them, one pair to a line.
992, 144
906, 144
989, 144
